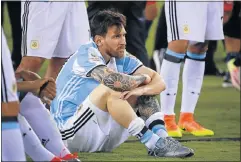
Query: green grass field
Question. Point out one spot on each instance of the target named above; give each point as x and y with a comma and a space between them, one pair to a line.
218, 109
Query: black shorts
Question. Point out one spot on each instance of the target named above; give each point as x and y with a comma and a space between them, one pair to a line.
232, 27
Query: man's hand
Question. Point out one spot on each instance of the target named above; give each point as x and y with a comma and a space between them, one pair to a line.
135, 92
45, 89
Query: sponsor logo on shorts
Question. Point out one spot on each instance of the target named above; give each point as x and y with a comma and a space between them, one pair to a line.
34, 44
186, 29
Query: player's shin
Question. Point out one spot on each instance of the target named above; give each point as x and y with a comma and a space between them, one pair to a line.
193, 73
149, 109
123, 113
43, 125
32, 144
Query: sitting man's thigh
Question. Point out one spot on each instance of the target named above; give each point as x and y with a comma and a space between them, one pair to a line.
87, 130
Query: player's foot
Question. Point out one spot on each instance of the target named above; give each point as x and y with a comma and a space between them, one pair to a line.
188, 125
169, 147
234, 73
71, 158
172, 129
227, 81
56, 159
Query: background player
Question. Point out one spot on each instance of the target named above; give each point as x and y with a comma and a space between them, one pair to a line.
189, 25
12, 142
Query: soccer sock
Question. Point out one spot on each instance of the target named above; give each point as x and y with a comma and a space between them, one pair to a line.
12, 142
32, 144
138, 129
193, 73
231, 55
43, 125
156, 123
170, 71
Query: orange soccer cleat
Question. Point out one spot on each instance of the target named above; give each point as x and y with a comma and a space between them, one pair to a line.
71, 157
56, 159
188, 125
172, 129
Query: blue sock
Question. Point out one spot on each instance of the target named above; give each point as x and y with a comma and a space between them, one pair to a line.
160, 130
148, 138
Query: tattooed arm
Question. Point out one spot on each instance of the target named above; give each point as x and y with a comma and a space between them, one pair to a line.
156, 85
117, 81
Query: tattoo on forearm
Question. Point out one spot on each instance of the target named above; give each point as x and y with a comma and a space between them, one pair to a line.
117, 81
147, 105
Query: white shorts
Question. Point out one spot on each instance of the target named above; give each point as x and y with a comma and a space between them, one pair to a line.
92, 130
53, 29
194, 21
9, 85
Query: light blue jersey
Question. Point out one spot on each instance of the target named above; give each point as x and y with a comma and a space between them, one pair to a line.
74, 84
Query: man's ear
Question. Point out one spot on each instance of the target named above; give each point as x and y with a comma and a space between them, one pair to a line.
98, 40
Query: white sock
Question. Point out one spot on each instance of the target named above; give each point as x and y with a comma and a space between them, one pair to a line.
156, 124
170, 72
151, 143
193, 73
32, 144
43, 125
147, 137
12, 143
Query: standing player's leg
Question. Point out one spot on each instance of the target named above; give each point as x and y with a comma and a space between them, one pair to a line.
194, 70
174, 55
160, 41
12, 142
33, 147
41, 31
75, 31
232, 39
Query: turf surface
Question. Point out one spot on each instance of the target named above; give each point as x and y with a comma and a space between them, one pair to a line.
218, 109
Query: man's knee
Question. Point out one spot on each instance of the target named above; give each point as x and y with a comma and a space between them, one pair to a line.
103, 94
31, 63
178, 46
198, 47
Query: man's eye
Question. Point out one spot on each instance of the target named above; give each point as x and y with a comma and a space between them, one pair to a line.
117, 36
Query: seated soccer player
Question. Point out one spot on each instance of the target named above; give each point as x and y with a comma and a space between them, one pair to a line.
99, 90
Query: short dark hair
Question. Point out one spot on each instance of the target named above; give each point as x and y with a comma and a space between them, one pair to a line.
104, 19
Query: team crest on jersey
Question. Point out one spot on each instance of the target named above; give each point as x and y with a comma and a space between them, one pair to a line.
34, 44
186, 29
93, 56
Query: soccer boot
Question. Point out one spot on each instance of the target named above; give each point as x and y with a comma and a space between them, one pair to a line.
227, 81
172, 129
56, 159
71, 158
188, 125
169, 147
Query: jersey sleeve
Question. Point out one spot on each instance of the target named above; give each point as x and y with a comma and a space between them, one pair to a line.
86, 61
129, 63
